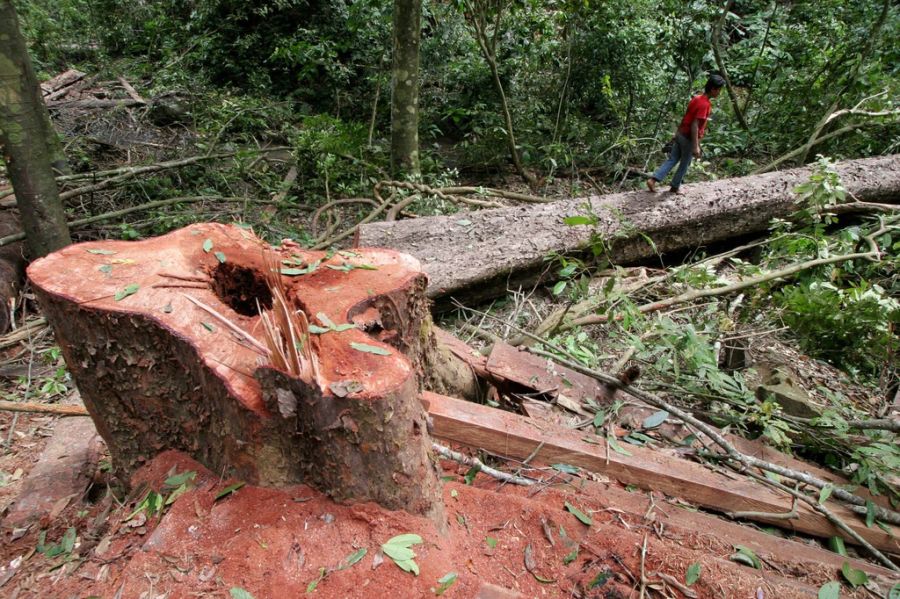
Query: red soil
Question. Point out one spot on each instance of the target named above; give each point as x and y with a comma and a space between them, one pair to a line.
273, 542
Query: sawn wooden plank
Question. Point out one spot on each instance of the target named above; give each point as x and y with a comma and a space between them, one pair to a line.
518, 437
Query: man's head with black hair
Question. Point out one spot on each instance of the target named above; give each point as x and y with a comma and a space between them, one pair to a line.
713, 85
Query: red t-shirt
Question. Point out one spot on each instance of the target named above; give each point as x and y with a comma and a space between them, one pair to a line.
698, 109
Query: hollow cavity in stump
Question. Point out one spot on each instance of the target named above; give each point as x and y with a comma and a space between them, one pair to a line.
164, 340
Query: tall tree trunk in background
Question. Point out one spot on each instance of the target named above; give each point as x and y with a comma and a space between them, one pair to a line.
477, 13
23, 137
720, 62
58, 161
851, 79
405, 87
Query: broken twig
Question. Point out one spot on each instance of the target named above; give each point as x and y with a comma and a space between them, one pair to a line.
476, 463
42, 408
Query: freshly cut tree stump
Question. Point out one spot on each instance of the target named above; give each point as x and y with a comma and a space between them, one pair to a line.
163, 338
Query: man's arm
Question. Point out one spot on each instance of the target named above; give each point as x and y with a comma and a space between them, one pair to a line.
695, 137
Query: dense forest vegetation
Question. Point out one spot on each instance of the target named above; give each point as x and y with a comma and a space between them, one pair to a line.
579, 97
591, 87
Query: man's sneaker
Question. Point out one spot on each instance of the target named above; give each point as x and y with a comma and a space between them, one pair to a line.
676, 190
651, 185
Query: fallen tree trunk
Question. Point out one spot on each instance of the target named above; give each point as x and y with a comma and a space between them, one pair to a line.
478, 255
162, 339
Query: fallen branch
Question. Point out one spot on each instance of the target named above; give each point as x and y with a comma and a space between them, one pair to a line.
873, 254
831, 517
807, 147
131, 91
791, 515
22, 333
857, 207
121, 174
857, 110
456, 198
672, 581
554, 322
476, 463
286, 184
314, 225
95, 103
497, 193
43, 408
379, 208
746, 461
148, 206
879, 424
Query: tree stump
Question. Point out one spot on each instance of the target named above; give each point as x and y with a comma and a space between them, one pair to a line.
162, 339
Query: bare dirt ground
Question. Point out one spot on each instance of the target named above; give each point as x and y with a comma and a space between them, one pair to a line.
274, 543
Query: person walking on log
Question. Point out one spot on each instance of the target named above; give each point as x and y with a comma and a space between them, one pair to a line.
686, 144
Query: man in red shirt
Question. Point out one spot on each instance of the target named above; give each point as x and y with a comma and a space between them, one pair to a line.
686, 144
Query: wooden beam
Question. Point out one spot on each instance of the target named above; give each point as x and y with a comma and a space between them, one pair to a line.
686, 523
518, 437
507, 364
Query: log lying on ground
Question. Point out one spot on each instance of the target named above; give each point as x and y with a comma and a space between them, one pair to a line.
511, 370
520, 438
160, 337
479, 254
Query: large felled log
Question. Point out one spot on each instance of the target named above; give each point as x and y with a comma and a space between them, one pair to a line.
479, 255
161, 338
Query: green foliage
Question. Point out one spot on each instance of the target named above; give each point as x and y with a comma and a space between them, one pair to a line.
590, 84
845, 313
851, 327
399, 549
64, 547
822, 191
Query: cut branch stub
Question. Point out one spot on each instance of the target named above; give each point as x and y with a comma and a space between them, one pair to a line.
164, 339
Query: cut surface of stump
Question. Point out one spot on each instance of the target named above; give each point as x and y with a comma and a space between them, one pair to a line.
163, 338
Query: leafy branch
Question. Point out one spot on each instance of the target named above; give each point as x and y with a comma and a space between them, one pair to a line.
742, 461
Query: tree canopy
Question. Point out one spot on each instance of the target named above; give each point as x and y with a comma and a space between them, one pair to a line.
590, 84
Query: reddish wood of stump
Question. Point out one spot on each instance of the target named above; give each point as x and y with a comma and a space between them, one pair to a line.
158, 372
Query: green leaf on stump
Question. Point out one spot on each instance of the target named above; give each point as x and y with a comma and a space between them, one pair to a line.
128, 290
370, 349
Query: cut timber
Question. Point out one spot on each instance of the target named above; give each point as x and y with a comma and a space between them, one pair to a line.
160, 336
480, 256
506, 364
63, 80
519, 437
680, 523
512, 369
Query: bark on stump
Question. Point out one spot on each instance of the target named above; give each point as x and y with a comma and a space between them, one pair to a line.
159, 372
